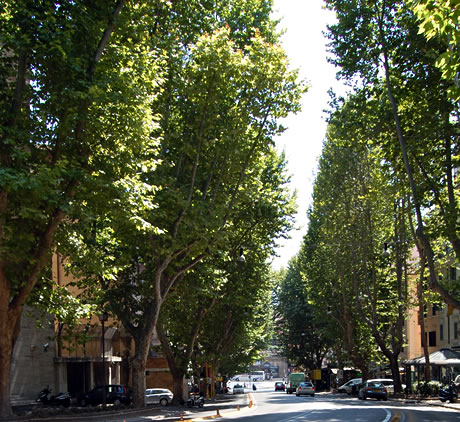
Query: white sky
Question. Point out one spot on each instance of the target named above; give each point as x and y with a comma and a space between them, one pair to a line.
304, 21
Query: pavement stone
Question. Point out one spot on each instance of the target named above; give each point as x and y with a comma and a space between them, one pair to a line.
221, 403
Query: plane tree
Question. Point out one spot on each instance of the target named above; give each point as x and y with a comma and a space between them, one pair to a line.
439, 19
301, 337
218, 117
77, 84
379, 260
223, 297
377, 44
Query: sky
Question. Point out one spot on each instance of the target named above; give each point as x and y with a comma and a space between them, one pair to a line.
305, 45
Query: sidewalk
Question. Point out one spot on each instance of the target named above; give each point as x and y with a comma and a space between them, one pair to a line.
220, 404
428, 401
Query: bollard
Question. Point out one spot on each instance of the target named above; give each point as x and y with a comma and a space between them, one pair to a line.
181, 417
238, 407
217, 412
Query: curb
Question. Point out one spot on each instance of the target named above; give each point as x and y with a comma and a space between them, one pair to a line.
218, 414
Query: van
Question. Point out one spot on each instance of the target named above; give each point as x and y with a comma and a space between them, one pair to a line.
294, 379
348, 386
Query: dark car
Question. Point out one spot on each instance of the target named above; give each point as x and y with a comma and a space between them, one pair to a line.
372, 390
280, 386
115, 394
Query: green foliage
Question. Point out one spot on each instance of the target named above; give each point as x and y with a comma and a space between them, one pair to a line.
439, 19
303, 336
400, 76
225, 307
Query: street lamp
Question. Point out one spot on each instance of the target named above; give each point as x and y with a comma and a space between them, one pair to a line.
103, 318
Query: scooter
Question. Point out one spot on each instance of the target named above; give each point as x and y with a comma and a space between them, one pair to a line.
195, 400
448, 393
59, 399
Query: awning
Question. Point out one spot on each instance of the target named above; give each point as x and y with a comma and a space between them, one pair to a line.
442, 357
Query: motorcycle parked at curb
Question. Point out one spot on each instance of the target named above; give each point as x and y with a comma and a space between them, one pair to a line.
448, 393
195, 400
59, 399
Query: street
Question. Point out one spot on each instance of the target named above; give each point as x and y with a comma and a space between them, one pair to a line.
281, 407
266, 405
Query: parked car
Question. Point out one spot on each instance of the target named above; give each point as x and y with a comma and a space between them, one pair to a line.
388, 383
305, 388
348, 386
115, 394
373, 390
280, 386
238, 389
161, 396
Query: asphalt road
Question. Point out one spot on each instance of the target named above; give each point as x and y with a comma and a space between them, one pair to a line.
267, 405
281, 407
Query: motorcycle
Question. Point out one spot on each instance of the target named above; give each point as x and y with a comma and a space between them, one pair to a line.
59, 399
448, 393
195, 400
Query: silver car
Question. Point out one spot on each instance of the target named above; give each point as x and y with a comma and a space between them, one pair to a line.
238, 389
161, 396
305, 388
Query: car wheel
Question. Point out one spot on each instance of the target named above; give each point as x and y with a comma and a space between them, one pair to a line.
385, 399
297, 395
163, 402
313, 395
116, 402
201, 404
364, 397
83, 403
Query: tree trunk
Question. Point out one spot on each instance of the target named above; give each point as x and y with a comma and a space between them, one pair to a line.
395, 372
177, 372
6, 351
138, 364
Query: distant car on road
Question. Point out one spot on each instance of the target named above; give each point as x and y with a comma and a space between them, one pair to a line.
161, 396
305, 389
280, 386
294, 379
238, 389
372, 390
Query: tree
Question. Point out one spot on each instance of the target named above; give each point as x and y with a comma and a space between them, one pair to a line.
74, 109
219, 116
301, 337
381, 37
327, 252
440, 19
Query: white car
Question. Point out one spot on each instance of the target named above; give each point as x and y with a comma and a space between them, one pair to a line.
238, 389
388, 383
348, 386
161, 396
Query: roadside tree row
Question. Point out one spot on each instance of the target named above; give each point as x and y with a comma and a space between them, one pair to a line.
138, 142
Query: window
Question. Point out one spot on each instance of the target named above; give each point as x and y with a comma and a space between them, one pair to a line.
455, 330
441, 332
432, 338
434, 309
453, 273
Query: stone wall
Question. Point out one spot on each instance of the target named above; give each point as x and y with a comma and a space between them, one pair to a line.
32, 366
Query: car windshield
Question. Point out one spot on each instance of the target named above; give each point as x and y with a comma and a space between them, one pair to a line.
375, 384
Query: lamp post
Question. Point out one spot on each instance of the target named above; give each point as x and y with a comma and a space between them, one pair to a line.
103, 318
